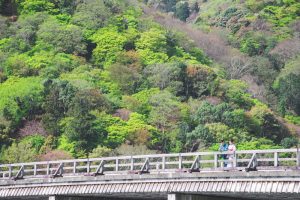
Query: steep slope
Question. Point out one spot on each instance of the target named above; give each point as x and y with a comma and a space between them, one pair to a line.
235, 63
266, 32
97, 78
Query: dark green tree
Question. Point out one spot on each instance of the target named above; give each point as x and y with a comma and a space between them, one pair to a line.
182, 10
195, 7
67, 39
287, 86
58, 97
170, 5
80, 126
91, 15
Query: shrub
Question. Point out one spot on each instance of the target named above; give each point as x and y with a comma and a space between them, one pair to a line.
55, 155
289, 142
19, 153
63, 38
287, 86
36, 141
20, 97
257, 43
130, 150
257, 143
200, 136
182, 10
100, 151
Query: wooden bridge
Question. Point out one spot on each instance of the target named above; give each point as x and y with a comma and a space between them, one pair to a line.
257, 174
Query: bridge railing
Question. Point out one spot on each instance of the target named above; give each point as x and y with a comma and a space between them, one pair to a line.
157, 163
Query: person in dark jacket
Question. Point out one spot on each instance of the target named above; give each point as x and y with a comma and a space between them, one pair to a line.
223, 147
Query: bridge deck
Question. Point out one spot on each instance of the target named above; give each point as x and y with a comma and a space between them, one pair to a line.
275, 185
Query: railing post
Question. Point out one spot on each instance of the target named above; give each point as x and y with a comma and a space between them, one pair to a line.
216, 160
88, 166
235, 161
132, 164
196, 165
34, 169
180, 162
9, 171
74, 167
157, 166
298, 158
276, 159
117, 165
199, 161
163, 163
48, 168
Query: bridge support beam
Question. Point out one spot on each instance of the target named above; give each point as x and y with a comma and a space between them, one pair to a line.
196, 197
73, 198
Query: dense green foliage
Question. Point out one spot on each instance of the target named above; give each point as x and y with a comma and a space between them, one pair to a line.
94, 78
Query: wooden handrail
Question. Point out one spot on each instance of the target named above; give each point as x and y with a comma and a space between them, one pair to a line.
158, 162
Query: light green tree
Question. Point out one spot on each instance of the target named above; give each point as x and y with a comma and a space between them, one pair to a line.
152, 46
109, 42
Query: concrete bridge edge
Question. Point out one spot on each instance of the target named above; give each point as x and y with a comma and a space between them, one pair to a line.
172, 196
196, 197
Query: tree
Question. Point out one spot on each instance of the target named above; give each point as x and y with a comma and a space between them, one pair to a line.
20, 98
199, 81
166, 76
58, 97
3, 26
269, 125
289, 142
165, 111
129, 150
164, 115
55, 155
91, 15
199, 137
170, 5
208, 113
63, 38
140, 102
16, 65
223, 132
100, 151
23, 32
139, 132
152, 46
258, 143
36, 141
256, 43
64, 6
195, 7
19, 153
182, 10
80, 126
109, 42
287, 86
32, 6
236, 91
127, 78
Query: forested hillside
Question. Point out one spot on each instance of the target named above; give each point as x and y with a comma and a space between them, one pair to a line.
100, 77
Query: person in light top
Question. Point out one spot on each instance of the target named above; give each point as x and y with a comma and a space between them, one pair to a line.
231, 149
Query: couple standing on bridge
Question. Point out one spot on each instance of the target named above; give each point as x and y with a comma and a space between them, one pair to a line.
228, 159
